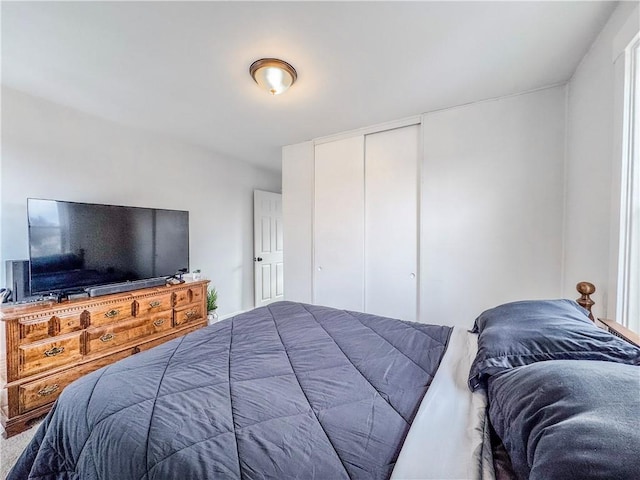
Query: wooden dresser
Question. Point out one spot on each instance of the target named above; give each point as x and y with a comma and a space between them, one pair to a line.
49, 345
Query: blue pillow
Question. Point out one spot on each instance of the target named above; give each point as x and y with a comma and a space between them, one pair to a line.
521, 333
569, 419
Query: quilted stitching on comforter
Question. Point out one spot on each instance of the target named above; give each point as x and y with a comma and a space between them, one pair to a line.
284, 391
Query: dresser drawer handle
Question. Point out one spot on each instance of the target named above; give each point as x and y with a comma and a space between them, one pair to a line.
191, 314
48, 390
155, 304
112, 313
107, 337
52, 352
159, 322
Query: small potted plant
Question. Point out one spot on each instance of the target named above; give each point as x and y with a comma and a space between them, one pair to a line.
212, 305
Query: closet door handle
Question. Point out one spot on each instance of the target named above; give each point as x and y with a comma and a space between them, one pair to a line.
257, 259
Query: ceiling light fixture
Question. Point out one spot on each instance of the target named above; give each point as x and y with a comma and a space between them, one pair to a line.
272, 74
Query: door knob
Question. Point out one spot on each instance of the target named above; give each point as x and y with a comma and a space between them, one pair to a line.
258, 259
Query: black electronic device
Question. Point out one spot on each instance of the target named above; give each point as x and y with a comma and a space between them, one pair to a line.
82, 246
125, 286
17, 276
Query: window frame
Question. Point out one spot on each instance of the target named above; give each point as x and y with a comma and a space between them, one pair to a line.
628, 301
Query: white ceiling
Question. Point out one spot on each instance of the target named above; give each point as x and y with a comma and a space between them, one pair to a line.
181, 68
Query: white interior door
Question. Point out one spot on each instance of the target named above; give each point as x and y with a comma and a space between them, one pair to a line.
338, 279
268, 247
391, 223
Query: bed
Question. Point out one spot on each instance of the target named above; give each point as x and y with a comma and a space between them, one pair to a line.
301, 391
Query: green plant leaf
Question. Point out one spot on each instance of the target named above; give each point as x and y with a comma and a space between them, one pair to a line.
212, 299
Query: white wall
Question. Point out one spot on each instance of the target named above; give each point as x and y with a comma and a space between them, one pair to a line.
50, 151
593, 167
491, 207
297, 205
492, 198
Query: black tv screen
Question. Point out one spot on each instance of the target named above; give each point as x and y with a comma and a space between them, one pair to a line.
73, 246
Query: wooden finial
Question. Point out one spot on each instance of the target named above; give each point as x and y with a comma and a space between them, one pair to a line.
585, 289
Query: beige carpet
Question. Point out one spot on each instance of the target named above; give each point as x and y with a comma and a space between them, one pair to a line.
11, 448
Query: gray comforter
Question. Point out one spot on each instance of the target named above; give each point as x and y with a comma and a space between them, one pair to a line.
285, 391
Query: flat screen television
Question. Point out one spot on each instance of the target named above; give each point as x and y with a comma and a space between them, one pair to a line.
73, 246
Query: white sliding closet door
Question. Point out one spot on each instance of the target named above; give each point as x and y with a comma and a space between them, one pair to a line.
391, 222
338, 279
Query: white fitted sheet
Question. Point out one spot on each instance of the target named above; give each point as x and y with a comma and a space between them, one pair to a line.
447, 439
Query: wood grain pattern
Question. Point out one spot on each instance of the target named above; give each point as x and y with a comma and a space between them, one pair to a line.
33, 331
586, 289
189, 313
620, 331
187, 296
47, 390
49, 345
109, 313
69, 322
153, 304
117, 334
58, 324
44, 355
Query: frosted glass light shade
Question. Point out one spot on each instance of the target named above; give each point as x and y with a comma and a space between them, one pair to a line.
274, 75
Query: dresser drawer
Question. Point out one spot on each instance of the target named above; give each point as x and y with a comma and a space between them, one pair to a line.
51, 326
41, 392
170, 336
33, 331
49, 346
188, 314
111, 336
46, 390
68, 322
45, 355
188, 295
157, 303
110, 313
